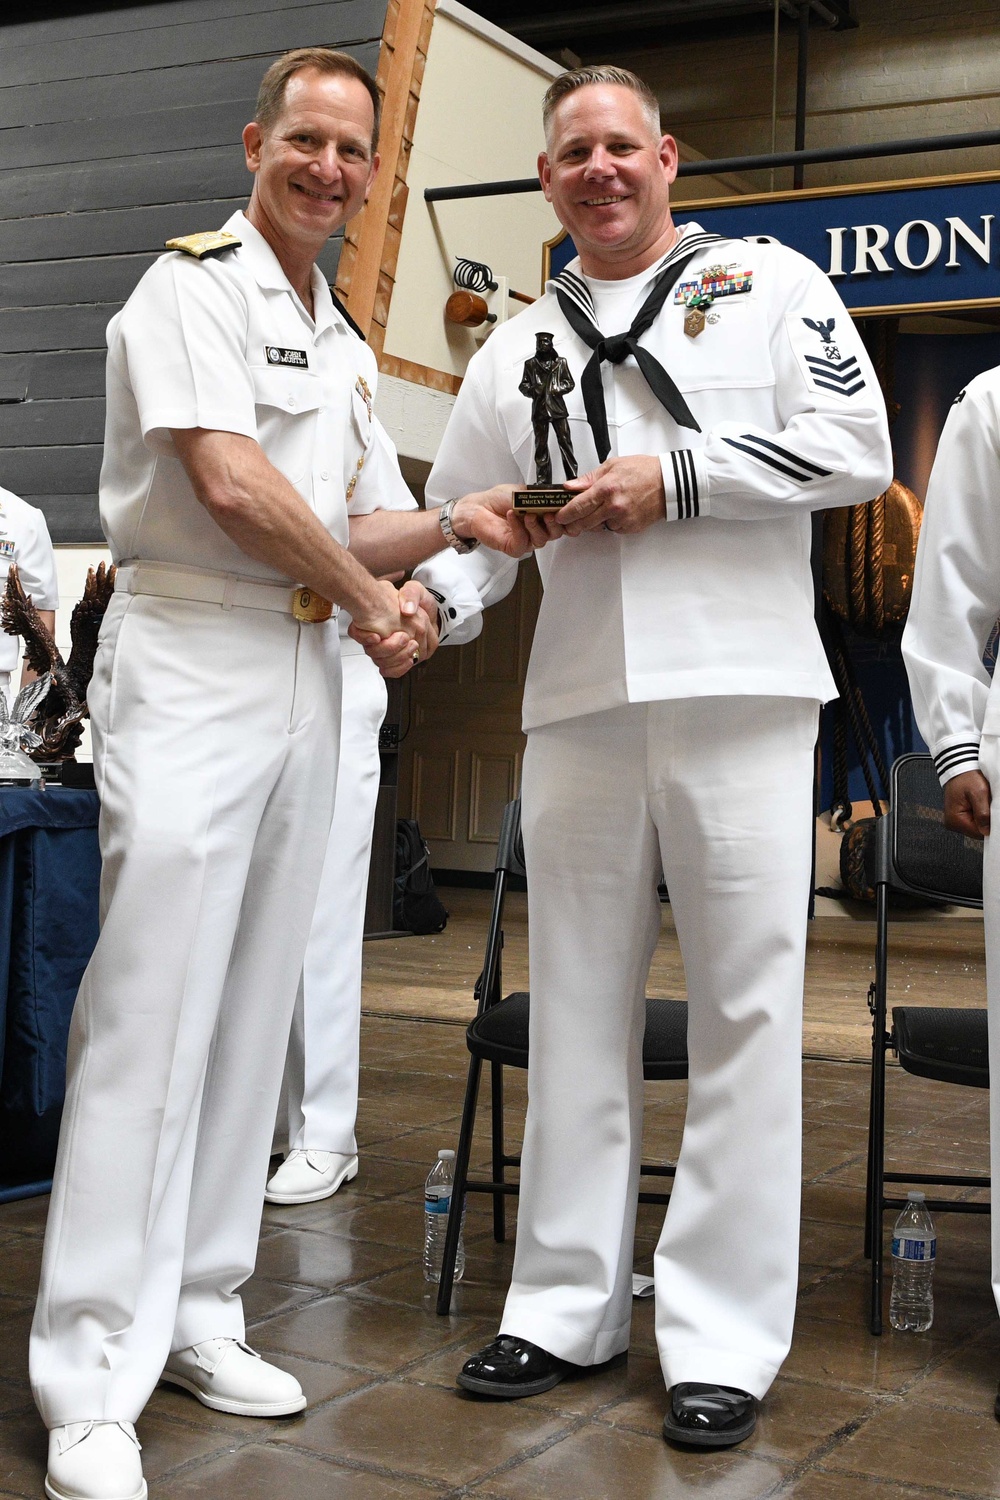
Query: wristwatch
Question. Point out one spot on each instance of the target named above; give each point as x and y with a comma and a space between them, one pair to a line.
456, 542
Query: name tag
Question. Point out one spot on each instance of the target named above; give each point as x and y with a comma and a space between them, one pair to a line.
294, 357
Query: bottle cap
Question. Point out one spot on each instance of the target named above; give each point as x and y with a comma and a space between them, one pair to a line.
915, 1196
450, 1156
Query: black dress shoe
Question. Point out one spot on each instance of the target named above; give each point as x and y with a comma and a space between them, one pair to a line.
510, 1368
709, 1416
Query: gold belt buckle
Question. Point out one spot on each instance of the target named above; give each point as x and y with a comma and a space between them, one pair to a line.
309, 607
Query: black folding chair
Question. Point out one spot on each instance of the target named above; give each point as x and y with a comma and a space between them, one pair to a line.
914, 853
499, 1036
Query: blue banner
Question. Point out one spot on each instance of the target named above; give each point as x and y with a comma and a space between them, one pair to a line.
906, 247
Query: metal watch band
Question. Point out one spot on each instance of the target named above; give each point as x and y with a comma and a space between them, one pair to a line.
458, 543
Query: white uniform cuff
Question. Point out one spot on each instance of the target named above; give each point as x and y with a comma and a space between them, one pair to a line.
685, 484
954, 759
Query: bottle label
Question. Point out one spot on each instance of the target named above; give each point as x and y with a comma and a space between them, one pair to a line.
924, 1250
439, 1205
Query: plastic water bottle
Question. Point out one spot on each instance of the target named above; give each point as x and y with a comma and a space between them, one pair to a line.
437, 1206
914, 1247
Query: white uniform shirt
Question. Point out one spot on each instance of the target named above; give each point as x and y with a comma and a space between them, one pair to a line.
225, 343
792, 420
956, 584
24, 539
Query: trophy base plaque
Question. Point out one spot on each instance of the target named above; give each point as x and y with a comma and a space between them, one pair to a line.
540, 498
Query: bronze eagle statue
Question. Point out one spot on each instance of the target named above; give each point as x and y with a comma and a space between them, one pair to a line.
57, 719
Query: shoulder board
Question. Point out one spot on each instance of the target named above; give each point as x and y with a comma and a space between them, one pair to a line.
346, 316
210, 242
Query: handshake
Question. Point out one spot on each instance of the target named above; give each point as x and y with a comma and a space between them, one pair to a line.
402, 628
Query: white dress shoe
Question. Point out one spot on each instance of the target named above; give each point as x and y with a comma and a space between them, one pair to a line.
94, 1461
307, 1176
227, 1376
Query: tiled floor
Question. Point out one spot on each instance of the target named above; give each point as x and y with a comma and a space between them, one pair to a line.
339, 1299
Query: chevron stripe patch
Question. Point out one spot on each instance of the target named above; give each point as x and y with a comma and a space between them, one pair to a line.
782, 460
826, 364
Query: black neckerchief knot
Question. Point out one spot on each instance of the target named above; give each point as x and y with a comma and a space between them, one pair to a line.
573, 295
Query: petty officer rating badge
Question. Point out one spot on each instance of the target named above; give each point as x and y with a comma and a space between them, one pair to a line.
698, 295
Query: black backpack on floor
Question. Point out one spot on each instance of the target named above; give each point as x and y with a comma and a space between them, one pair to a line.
415, 903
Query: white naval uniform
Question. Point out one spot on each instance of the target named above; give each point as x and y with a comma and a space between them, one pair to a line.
670, 705
323, 1050
955, 604
215, 733
24, 539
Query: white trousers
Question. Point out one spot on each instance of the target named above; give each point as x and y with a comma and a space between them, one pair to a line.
718, 790
215, 739
989, 764
323, 1053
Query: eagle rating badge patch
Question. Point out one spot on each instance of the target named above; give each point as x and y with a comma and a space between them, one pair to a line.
826, 367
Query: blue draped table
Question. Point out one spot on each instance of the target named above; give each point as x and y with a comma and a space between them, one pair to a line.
50, 870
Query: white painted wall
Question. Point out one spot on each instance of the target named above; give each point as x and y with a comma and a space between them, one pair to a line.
479, 121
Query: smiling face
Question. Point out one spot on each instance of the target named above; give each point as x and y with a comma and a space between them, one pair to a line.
608, 175
314, 166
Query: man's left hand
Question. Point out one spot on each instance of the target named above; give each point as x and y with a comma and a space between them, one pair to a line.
624, 495
397, 654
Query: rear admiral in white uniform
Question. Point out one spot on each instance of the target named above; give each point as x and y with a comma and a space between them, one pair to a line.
954, 608
671, 710
239, 417
24, 539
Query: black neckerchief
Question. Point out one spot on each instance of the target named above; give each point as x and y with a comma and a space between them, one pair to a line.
578, 309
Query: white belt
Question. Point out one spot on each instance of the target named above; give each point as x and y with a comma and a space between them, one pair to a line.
225, 589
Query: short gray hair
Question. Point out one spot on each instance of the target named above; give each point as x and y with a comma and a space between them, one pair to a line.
580, 78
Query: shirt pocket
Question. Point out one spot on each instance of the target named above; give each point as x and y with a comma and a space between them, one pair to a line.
287, 405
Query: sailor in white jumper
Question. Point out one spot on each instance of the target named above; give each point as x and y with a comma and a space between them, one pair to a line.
24, 539
671, 708
955, 605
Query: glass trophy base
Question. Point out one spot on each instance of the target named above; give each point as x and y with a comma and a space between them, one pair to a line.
541, 497
18, 769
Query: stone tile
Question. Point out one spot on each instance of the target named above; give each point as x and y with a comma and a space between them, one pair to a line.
833, 1203
598, 1460
255, 1472
14, 1344
306, 1258
358, 1332
817, 1484
480, 1294
829, 1244
967, 1378
321, 1382
916, 1443
427, 1432
23, 1454
26, 1215
20, 1259
845, 1354
835, 1146
265, 1299
412, 1145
